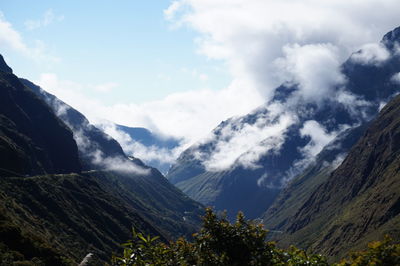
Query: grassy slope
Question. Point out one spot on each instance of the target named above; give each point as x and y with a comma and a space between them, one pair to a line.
93, 212
358, 202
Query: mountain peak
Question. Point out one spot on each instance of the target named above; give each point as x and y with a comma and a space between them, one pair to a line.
3, 66
391, 38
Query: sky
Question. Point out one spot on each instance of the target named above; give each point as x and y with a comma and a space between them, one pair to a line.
123, 52
181, 67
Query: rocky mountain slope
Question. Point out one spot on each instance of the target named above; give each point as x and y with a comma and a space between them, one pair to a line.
54, 210
358, 202
91, 212
92, 142
292, 127
32, 139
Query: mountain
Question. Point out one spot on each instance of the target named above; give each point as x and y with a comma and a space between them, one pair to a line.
147, 138
68, 189
72, 215
356, 203
296, 193
294, 130
33, 140
92, 142
149, 143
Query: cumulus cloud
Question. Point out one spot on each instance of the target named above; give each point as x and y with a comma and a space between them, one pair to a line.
250, 35
264, 43
48, 17
315, 67
190, 114
371, 54
259, 42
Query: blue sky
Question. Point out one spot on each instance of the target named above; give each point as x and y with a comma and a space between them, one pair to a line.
180, 67
126, 47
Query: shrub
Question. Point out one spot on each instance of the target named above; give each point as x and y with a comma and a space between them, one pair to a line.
378, 253
218, 243
242, 243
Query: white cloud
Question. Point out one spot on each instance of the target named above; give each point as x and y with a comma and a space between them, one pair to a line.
315, 67
97, 157
250, 34
309, 39
135, 148
106, 87
11, 39
170, 12
353, 103
243, 143
371, 54
47, 18
190, 114
319, 137
118, 164
396, 78
263, 43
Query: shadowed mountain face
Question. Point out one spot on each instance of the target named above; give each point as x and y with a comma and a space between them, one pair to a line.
32, 139
252, 181
55, 216
59, 218
91, 141
358, 202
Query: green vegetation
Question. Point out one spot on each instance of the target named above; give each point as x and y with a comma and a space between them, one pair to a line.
242, 243
60, 218
362, 195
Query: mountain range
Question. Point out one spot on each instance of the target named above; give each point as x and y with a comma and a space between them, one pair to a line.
332, 212
295, 129
320, 170
68, 189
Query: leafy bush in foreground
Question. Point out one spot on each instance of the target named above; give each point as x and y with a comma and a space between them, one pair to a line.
378, 253
242, 243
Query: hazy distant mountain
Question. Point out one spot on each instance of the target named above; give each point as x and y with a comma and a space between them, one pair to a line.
150, 141
253, 180
340, 211
147, 138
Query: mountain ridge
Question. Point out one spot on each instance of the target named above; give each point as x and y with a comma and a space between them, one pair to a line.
368, 86
65, 204
34, 140
356, 203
